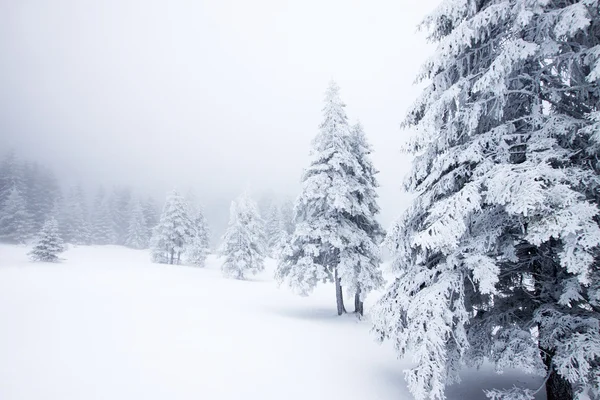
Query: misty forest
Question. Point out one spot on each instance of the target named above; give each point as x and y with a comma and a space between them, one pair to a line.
236, 208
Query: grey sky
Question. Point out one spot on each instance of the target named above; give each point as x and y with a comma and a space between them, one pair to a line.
218, 95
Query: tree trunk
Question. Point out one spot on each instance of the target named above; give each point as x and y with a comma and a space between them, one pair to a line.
557, 387
178, 258
358, 304
338, 294
172, 255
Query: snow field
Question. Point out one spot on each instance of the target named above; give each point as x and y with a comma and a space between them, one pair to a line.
108, 324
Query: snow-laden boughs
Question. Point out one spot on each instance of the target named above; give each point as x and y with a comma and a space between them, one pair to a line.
48, 244
497, 256
173, 231
336, 235
244, 242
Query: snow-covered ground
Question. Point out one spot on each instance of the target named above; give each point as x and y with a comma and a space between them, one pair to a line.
108, 324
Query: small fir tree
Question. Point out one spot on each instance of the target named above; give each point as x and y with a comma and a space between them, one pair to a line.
48, 244
173, 231
243, 244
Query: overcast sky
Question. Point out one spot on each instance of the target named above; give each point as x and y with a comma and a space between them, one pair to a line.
218, 95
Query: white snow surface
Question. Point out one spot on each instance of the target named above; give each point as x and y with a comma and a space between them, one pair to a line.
108, 324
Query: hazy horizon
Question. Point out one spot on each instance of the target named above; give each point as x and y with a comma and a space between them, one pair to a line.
214, 96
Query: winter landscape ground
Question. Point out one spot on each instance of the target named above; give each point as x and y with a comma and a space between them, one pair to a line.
106, 323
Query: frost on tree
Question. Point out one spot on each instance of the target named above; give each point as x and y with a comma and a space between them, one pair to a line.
497, 257
198, 247
15, 221
173, 231
243, 246
335, 237
137, 232
48, 244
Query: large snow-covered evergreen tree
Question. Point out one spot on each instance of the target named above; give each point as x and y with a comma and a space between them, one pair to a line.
173, 231
48, 244
15, 221
497, 257
137, 233
244, 245
332, 240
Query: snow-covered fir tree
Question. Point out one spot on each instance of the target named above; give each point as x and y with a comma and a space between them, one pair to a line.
497, 257
173, 231
330, 242
48, 244
273, 230
74, 221
244, 245
198, 247
15, 221
137, 233
102, 226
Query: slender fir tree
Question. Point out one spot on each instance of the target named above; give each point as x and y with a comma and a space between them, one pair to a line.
330, 243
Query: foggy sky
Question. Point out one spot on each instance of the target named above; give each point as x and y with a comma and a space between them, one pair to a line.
217, 95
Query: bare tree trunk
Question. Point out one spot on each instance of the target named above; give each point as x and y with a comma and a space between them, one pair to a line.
172, 256
178, 257
557, 387
358, 304
338, 294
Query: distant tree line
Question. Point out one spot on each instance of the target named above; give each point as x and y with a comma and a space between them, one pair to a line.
30, 195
